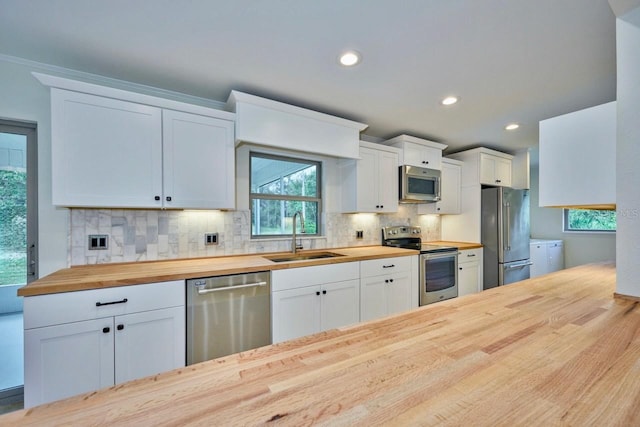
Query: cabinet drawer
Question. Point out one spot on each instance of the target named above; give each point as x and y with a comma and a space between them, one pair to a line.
376, 267
54, 309
469, 255
318, 274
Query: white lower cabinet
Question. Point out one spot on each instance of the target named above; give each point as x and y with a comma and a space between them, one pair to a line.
308, 300
546, 256
469, 271
77, 342
386, 287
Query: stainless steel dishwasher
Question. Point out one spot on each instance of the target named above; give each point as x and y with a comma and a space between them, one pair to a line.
227, 314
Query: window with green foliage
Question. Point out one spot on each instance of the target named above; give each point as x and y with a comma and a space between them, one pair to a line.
589, 220
279, 187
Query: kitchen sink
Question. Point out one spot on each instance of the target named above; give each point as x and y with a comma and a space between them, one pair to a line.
302, 256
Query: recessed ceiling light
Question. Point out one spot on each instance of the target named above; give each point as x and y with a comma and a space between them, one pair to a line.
512, 126
350, 58
449, 100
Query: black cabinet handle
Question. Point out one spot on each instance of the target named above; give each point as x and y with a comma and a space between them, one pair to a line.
168, 198
318, 293
100, 304
377, 206
388, 266
120, 327
106, 330
459, 268
497, 180
157, 198
381, 206
391, 280
324, 292
386, 280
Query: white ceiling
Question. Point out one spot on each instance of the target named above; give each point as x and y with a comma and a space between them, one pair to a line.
507, 60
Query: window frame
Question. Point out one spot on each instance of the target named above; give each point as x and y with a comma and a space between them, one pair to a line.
317, 199
566, 229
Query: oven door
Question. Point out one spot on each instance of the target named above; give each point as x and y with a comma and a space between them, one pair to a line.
438, 276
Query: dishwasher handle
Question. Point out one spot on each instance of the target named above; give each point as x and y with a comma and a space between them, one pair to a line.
231, 288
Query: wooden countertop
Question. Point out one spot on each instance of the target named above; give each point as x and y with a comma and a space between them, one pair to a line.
555, 350
459, 245
122, 274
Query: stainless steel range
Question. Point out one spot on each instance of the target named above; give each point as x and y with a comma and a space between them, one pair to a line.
438, 264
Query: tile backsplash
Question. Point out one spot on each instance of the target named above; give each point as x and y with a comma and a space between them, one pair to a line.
139, 235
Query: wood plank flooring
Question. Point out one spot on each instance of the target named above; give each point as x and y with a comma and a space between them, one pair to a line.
557, 350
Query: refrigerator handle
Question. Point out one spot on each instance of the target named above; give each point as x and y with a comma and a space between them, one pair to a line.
508, 206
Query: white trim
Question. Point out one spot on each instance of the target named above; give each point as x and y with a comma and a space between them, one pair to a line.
125, 95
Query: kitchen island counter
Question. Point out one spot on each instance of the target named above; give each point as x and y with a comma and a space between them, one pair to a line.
555, 350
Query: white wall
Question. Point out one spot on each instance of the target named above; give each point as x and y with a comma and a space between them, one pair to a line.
579, 248
628, 153
24, 98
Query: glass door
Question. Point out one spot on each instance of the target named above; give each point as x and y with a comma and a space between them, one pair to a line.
18, 220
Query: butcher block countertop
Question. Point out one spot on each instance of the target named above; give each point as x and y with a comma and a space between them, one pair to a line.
121, 274
555, 350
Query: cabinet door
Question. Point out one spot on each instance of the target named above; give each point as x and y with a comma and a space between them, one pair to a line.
555, 259
295, 313
105, 152
422, 156
373, 297
450, 193
198, 161
340, 304
503, 172
65, 360
149, 342
387, 181
468, 273
368, 177
399, 290
487, 169
538, 255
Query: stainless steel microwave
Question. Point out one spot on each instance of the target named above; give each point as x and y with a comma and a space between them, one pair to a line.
419, 185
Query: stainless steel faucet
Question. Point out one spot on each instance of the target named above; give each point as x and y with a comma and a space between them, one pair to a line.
294, 246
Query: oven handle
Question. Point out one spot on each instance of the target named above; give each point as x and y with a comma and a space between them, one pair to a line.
435, 255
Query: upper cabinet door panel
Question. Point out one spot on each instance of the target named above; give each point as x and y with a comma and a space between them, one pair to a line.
199, 164
105, 152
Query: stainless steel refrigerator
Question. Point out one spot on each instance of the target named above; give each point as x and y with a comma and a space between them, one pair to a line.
505, 235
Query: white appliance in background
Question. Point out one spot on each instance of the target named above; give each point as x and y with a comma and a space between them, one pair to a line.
505, 235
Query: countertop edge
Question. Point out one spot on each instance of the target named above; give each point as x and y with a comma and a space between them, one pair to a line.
79, 278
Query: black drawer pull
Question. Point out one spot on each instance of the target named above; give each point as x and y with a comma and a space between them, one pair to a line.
100, 304
120, 327
106, 330
388, 266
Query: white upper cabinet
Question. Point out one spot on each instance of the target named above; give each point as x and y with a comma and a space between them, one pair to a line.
495, 170
418, 152
370, 184
276, 124
578, 158
105, 152
198, 161
110, 151
450, 190
485, 166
